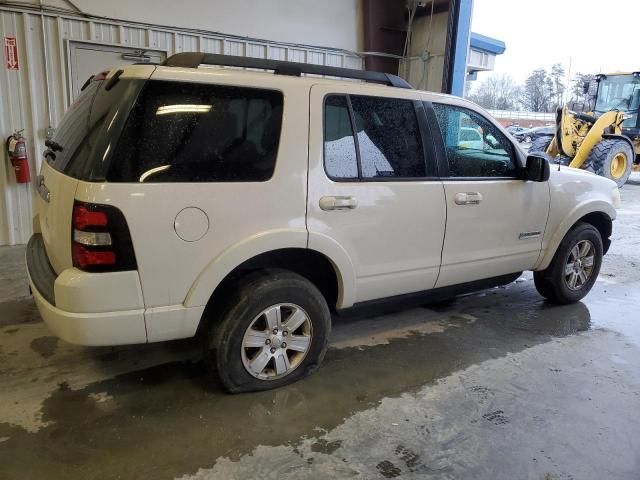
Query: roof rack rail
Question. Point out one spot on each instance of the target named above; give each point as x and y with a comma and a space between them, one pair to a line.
195, 59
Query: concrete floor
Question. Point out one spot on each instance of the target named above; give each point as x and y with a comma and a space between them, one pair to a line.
495, 385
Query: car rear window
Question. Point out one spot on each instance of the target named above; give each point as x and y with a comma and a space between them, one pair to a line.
188, 132
83, 139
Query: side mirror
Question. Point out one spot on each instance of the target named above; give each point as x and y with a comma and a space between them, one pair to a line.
586, 86
538, 168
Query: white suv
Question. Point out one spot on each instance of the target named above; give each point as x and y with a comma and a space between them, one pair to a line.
244, 206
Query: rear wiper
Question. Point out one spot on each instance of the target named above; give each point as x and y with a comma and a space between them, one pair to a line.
48, 153
53, 145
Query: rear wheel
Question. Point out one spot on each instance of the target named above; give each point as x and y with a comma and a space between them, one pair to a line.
273, 331
611, 158
574, 267
540, 145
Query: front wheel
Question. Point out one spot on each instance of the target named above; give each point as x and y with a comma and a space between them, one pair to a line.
612, 158
273, 331
574, 267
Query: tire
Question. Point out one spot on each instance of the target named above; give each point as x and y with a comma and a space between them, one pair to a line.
606, 157
540, 145
553, 283
260, 302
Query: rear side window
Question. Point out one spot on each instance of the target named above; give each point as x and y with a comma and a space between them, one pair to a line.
187, 132
388, 143
340, 157
389, 138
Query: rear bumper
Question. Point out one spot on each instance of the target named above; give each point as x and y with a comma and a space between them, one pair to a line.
84, 308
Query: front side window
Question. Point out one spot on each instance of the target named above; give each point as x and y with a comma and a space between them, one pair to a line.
474, 146
188, 132
387, 144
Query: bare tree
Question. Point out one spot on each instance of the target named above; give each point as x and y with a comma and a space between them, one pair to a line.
498, 92
538, 93
579, 99
558, 79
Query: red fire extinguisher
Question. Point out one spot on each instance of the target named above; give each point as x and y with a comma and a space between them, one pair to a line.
17, 148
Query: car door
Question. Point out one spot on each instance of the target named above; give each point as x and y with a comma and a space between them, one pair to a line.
374, 196
495, 220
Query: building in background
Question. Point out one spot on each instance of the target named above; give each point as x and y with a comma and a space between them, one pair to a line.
483, 51
53, 46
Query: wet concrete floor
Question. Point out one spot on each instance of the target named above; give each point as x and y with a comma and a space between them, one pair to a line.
497, 384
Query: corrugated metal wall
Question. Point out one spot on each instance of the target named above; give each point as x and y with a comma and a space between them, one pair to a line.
23, 96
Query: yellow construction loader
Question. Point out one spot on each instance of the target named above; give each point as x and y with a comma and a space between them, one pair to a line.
605, 141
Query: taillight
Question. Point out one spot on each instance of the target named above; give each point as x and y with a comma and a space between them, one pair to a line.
100, 239
83, 217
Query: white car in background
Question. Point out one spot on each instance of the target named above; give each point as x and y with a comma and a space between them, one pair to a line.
243, 206
470, 138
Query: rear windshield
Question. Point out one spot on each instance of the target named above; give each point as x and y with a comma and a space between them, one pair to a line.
160, 131
188, 132
89, 128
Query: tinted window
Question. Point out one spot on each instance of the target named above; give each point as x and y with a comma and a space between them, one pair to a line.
89, 127
475, 147
199, 133
388, 138
340, 159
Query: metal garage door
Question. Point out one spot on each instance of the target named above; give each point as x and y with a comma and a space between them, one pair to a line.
88, 59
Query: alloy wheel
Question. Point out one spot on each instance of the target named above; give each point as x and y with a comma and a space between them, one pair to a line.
579, 266
276, 341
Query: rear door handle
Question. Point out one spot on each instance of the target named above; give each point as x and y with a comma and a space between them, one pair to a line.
468, 198
338, 203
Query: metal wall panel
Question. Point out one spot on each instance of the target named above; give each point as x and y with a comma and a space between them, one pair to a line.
23, 94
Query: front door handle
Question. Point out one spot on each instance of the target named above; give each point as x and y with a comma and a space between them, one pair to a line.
338, 203
468, 198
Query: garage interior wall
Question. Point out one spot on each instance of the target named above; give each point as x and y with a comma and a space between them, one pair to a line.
23, 97
425, 71
328, 23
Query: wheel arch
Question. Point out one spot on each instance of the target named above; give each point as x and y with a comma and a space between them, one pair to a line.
598, 214
310, 264
603, 224
275, 244
614, 136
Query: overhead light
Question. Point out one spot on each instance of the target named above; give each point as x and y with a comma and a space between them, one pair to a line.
167, 109
153, 171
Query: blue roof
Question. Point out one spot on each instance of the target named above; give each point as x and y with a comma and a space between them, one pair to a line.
487, 44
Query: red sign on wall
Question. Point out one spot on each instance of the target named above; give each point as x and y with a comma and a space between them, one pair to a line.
11, 53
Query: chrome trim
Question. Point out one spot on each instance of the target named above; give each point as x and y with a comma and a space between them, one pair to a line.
529, 235
43, 191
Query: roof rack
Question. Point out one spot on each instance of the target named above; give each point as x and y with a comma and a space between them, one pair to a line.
195, 59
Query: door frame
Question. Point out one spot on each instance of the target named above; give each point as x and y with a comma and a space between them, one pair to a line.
519, 158
327, 245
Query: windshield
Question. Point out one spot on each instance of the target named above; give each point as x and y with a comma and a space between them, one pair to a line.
620, 92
